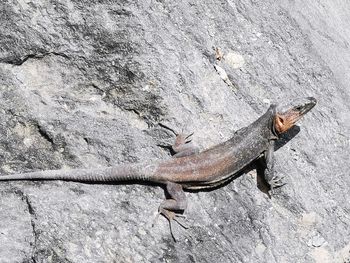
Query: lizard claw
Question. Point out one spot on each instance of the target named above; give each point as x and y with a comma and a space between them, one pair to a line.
188, 137
171, 216
182, 138
178, 134
276, 182
176, 219
183, 147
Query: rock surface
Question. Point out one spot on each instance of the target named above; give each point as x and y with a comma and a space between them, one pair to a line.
89, 83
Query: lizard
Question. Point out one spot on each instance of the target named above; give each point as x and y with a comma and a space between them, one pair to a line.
192, 169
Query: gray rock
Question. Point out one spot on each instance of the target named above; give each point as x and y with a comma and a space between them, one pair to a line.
89, 83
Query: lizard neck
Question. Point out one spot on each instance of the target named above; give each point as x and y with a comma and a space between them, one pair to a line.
265, 124
262, 128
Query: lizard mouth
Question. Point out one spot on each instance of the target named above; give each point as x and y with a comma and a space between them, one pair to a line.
284, 120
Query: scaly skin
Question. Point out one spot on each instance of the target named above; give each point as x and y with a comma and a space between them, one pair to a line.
192, 170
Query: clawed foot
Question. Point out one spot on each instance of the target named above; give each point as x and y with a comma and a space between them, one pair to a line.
180, 136
180, 139
182, 146
170, 207
276, 182
171, 216
183, 138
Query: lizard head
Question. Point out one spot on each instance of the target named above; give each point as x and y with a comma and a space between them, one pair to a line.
288, 114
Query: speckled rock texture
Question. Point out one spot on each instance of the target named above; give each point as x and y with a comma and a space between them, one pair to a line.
92, 83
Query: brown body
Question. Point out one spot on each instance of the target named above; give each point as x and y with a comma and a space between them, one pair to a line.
216, 165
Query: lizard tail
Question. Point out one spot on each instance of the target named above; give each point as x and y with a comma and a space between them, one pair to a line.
127, 172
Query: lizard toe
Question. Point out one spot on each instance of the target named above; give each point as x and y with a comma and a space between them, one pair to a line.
182, 224
276, 182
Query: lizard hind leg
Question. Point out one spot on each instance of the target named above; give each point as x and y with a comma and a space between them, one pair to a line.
183, 145
173, 207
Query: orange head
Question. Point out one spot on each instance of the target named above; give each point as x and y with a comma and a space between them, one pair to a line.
287, 115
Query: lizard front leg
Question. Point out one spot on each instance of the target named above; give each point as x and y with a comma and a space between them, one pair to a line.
273, 180
172, 208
